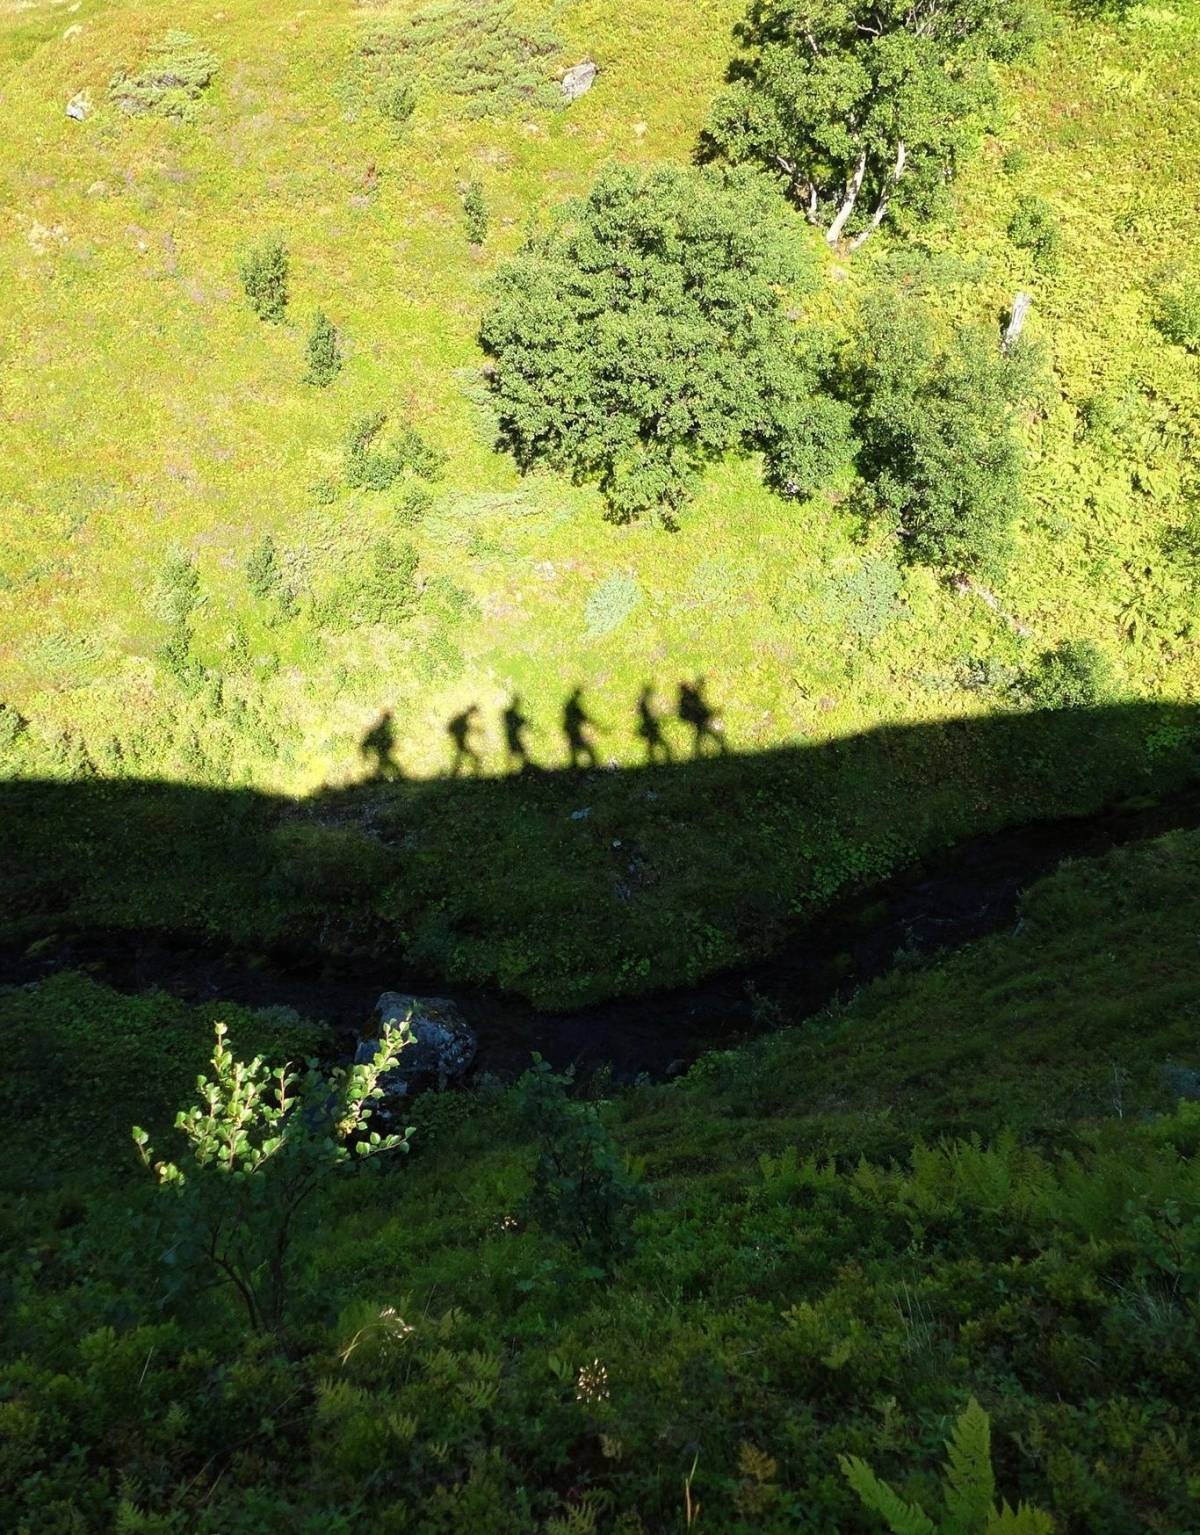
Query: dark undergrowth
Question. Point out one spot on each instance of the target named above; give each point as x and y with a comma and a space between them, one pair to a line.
979, 1177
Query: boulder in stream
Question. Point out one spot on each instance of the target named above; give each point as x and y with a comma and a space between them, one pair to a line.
443, 1047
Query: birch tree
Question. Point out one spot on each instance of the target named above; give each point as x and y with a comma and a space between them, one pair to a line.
866, 107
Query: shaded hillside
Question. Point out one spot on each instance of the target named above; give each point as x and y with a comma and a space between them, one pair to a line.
563, 886
819, 1270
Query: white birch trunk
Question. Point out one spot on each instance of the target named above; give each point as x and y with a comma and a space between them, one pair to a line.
834, 233
881, 207
1016, 320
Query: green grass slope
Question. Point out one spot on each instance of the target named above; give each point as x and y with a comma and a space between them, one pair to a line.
975, 1178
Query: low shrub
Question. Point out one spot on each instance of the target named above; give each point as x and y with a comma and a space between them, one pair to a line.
859, 599
258, 1146
319, 864
1033, 227
263, 575
1176, 299
12, 726
413, 505
480, 53
398, 102
375, 587
264, 273
369, 463
1074, 675
170, 80
582, 1191
177, 590
609, 604
324, 353
1111, 419
176, 658
475, 212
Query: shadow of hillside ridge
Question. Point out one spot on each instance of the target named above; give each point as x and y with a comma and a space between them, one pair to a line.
564, 886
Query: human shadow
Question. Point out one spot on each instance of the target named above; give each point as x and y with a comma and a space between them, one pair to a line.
516, 728
576, 727
461, 730
655, 875
695, 711
649, 728
378, 750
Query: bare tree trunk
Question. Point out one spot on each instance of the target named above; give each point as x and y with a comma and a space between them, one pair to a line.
881, 207
806, 191
834, 233
1016, 320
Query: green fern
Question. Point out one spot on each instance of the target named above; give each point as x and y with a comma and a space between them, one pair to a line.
968, 1490
1023, 1520
902, 1518
969, 1487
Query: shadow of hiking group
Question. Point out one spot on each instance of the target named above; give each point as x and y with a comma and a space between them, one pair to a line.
380, 745
574, 885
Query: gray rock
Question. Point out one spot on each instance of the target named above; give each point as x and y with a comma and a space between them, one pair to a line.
443, 1047
79, 106
579, 80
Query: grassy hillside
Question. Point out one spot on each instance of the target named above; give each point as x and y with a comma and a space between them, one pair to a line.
151, 420
464, 725
976, 1178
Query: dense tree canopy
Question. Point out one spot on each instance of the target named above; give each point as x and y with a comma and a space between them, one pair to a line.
648, 331
937, 453
866, 105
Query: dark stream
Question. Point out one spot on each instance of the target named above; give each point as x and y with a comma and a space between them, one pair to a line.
972, 890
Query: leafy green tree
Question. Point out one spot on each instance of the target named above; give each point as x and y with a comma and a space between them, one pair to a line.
324, 354
648, 331
937, 453
264, 273
866, 106
258, 1146
968, 1490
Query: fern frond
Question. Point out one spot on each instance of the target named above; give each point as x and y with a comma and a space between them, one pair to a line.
902, 1518
970, 1485
1023, 1520
756, 1464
